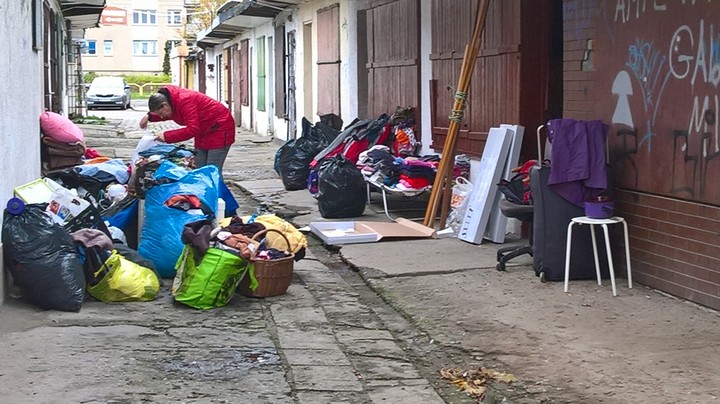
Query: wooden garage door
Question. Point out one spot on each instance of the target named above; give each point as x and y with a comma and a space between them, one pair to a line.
328, 42
510, 81
393, 47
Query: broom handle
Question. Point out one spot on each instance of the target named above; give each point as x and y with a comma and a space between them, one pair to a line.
449, 147
441, 183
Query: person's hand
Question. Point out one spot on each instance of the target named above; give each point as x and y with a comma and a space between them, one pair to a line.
144, 121
160, 137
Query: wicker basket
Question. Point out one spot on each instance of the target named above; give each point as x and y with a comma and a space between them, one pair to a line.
273, 276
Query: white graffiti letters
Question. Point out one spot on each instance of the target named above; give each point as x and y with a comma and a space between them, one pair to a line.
624, 8
699, 124
703, 58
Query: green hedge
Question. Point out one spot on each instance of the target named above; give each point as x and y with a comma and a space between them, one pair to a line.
147, 78
139, 79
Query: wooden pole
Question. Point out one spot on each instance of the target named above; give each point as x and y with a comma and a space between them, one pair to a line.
441, 187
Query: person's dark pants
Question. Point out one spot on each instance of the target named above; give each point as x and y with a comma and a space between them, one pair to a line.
214, 157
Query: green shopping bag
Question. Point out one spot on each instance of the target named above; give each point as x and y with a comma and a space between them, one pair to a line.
211, 282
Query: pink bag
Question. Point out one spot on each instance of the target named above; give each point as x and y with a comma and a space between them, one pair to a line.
59, 128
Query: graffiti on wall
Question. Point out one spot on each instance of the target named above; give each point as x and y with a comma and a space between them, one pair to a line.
650, 70
626, 10
688, 63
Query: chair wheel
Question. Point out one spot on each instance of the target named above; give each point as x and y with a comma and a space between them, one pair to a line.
542, 277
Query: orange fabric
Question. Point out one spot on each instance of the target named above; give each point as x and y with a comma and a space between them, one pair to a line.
98, 160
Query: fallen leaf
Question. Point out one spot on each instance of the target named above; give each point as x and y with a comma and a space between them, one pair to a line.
500, 376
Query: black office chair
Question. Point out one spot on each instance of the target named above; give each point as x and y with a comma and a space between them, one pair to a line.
524, 213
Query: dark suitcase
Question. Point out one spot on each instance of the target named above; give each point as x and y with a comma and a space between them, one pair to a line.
551, 216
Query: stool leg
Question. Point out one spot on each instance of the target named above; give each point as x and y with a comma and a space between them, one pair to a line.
627, 254
609, 257
595, 254
567, 254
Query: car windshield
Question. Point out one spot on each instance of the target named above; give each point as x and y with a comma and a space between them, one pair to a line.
107, 83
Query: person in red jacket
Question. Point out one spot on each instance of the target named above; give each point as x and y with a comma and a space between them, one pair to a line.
205, 119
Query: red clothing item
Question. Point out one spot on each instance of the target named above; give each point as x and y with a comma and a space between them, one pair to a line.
206, 120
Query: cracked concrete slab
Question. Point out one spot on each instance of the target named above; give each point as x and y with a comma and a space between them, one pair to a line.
326, 378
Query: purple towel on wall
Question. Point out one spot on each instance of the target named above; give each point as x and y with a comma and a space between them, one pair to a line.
577, 168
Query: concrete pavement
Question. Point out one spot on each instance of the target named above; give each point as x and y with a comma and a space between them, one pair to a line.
585, 346
378, 333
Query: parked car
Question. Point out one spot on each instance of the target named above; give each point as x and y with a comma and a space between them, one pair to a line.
108, 91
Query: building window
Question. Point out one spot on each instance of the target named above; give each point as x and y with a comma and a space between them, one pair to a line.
174, 17
107, 47
90, 47
145, 48
144, 17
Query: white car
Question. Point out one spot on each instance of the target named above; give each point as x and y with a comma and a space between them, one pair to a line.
108, 92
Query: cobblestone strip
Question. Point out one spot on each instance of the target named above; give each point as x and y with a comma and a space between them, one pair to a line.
370, 354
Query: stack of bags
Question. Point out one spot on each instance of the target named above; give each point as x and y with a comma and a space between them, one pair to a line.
63, 142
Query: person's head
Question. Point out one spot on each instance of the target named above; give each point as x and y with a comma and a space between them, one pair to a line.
159, 104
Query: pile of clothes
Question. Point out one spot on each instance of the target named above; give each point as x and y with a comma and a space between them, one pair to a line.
235, 238
63, 143
403, 174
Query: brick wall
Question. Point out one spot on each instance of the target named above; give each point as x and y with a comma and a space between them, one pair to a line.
674, 245
578, 66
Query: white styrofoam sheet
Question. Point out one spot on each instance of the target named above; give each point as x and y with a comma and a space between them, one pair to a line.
472, 228
497, 224
335, 233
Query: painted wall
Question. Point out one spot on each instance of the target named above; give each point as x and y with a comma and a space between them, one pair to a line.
425, 74
21, 101
211, 76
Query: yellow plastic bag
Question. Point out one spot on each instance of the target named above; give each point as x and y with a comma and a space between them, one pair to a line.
125, 281
295, 237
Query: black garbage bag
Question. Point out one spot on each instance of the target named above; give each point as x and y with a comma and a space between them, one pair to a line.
341, 188
292, 160
42, 259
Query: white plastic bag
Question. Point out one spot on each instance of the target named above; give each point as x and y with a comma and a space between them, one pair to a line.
146, 142
65, 205
458, 203
460, 191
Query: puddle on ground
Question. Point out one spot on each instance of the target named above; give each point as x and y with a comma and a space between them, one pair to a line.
226, 364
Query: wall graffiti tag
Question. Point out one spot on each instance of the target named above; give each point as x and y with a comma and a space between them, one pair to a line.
665, 95
651, 72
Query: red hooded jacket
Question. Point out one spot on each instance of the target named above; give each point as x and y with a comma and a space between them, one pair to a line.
205, 119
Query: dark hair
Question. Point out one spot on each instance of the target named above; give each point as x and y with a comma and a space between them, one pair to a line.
156, 101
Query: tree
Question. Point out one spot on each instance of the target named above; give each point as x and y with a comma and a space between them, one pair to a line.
166, 58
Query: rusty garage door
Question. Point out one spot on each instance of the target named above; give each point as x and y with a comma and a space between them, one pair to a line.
510, 81
328, 43
393, 47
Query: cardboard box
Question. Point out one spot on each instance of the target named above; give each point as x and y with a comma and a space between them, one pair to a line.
352, 232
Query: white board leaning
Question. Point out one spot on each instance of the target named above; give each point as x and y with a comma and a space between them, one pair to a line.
498, 223
472, 228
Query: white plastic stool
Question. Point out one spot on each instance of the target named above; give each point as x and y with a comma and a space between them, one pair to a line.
604, 223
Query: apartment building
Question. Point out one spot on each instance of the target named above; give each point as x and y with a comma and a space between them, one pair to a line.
132, 36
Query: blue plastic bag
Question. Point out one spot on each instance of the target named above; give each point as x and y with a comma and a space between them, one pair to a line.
160, 239
231, 204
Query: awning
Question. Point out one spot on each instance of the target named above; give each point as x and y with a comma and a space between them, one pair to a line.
238, 16
81, 14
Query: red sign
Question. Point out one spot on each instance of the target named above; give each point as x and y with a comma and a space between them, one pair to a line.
113, 16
